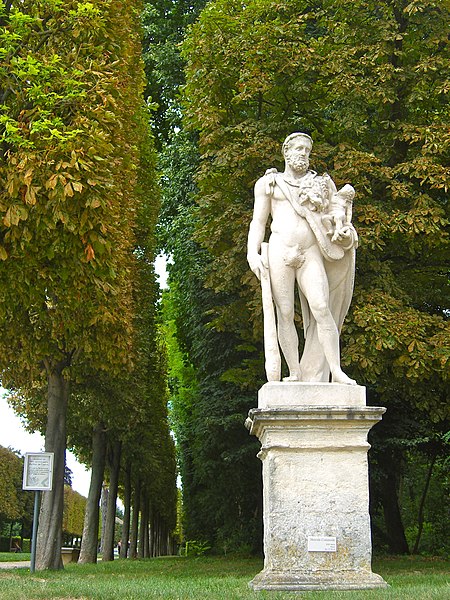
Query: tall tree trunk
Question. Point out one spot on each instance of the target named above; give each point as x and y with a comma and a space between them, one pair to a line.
103, 510
146, 530
152, 535
89, 542
110, 525
422, 504
143, 525
391, 510
156, 543
127, 513
162, 539
135, 520
49, 534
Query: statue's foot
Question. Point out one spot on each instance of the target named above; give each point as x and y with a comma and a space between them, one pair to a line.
291, 378
341, 377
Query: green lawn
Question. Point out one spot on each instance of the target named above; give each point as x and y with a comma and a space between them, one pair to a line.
209, 578
14, 556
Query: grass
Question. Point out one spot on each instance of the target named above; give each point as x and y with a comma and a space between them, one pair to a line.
210, 578
14, 556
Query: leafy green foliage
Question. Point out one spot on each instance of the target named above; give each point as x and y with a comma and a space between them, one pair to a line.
164, 25
195, 548
12, 499
207, 414
339, 72
74, 505
67, 178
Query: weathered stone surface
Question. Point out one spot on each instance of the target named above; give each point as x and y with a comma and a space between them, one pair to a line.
304, 582
315, 481
277, 394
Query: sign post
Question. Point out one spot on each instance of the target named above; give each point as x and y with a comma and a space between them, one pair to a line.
37, 477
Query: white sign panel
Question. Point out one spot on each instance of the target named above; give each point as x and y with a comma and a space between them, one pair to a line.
38, 471
321, 544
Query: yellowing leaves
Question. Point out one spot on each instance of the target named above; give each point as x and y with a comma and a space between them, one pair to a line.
89, 252
68, 189
77, 186
94, 202
51, 183
14, 215
30, 194
68, 183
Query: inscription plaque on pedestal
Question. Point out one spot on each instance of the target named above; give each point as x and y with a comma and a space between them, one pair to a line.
321, 544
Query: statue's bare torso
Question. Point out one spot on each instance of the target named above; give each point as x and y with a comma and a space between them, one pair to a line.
288, 224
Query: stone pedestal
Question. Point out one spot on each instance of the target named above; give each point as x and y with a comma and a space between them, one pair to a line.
315, 479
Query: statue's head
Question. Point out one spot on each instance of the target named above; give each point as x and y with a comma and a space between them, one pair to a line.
347, 192
296, 136
296, 150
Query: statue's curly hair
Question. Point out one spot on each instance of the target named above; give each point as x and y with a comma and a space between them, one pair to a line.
291, 137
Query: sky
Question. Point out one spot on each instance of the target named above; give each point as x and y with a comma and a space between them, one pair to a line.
13, 434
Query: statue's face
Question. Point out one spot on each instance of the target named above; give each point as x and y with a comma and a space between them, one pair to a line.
297, 154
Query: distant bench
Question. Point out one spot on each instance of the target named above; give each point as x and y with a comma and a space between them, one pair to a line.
69, 555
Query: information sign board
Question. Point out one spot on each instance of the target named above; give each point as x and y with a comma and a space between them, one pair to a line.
38, 471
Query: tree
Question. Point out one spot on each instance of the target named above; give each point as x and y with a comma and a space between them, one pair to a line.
11, 495
113, 457
74, 508
89, 541
138, 398
369, 82
207, 414
71, 79
165, 23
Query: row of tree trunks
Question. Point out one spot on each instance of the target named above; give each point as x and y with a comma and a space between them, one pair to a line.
144, 534
89, 544
162, 542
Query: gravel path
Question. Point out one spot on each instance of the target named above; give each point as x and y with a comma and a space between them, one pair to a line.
15, 565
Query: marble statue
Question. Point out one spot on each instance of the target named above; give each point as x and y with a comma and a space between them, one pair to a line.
311, 246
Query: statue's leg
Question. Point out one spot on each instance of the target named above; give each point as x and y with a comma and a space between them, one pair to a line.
313, 363
283, 290
313, 282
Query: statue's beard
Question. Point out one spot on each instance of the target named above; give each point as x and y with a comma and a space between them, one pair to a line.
297, 163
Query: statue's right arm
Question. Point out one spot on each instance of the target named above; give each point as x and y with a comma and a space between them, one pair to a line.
261, 211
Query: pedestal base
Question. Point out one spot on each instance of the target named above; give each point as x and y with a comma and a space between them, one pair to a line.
305, 582
315, 485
